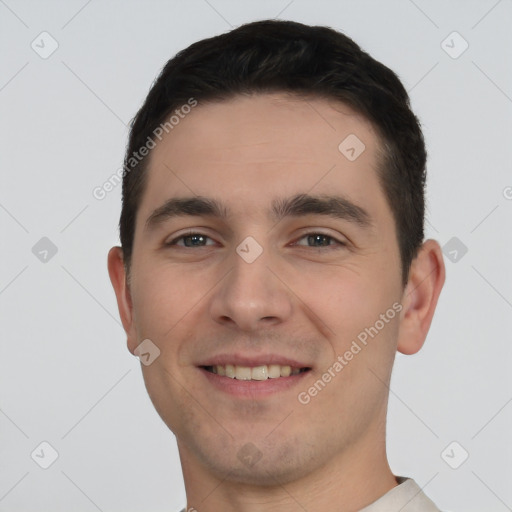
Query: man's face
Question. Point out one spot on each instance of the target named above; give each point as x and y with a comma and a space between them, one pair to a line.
205, 296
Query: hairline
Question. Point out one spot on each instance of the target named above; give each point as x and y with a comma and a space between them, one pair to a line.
383, 150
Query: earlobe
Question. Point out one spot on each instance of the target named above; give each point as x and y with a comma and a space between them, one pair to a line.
426, 279
117, 273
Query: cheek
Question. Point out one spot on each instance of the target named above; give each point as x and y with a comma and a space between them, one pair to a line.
360, 310
346, 298
163, 297
170, 395
362, 329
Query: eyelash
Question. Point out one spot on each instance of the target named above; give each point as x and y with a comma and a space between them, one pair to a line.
337, 244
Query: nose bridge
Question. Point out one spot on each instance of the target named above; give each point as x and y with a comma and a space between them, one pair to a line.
251, 294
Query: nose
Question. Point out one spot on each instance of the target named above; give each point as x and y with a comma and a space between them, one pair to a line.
251, 296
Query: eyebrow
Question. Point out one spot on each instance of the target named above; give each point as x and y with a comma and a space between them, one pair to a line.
335, 206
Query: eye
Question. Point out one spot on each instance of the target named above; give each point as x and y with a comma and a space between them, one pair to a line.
191, 240
319, 240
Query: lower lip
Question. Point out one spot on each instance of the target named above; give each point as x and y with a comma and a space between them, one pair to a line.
253, 388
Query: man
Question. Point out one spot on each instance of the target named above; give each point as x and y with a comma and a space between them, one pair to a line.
273, 261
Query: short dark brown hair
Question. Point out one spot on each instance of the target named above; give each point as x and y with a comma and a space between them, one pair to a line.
284, 56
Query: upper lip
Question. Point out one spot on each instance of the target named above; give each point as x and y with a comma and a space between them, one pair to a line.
255, 360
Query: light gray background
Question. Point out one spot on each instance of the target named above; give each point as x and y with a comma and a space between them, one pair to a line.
66, 376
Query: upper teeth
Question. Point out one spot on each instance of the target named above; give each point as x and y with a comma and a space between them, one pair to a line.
263, 372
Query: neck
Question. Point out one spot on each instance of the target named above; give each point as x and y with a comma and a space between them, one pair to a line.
349, 481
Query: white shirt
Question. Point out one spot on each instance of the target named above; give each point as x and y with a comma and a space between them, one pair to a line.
407, 496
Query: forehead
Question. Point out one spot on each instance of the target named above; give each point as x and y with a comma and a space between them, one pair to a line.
247, 149
260, 126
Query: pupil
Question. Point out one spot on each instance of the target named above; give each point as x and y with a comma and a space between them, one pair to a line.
193, 240
322, 239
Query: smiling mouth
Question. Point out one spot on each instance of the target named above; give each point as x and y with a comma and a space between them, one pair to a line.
261, 372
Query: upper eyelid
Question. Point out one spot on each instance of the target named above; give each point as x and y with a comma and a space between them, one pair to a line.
317, 231
174, 239
309, 233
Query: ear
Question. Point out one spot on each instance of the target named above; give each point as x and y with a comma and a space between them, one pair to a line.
426, 279
118, 278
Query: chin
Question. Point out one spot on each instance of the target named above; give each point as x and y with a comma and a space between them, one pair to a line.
261, 463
